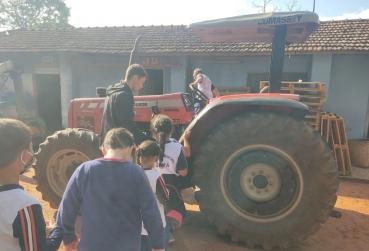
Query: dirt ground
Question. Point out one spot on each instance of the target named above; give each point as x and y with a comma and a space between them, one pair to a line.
350, 233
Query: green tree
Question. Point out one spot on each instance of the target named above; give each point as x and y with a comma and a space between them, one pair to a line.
34, 14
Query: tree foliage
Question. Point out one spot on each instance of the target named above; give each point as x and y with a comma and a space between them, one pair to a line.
34, 14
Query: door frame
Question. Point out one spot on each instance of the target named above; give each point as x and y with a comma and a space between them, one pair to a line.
158, 68
35, 91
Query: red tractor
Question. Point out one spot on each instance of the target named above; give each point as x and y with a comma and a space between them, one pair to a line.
264, 176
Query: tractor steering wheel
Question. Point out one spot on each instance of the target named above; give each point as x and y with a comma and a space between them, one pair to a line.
199, 93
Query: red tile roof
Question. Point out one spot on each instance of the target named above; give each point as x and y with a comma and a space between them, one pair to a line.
332, 36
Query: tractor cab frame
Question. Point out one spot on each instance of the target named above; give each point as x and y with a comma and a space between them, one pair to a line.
280, 29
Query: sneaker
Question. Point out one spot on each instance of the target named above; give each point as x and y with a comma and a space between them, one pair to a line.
171, 238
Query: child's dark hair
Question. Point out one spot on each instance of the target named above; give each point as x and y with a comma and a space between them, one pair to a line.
147, 149
162, 125
15, 137
118, 138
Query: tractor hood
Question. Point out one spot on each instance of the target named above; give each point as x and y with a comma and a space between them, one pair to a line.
258, 28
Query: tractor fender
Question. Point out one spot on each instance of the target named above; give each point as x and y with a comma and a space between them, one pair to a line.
217, 111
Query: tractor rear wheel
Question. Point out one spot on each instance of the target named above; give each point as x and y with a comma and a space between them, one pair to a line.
57, 159
266, 179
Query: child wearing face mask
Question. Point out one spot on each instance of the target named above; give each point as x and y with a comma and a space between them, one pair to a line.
22, 225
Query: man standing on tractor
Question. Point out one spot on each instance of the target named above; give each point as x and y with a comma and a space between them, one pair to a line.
204, 84
118, 109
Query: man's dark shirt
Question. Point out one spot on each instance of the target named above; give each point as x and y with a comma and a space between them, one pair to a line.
118, 112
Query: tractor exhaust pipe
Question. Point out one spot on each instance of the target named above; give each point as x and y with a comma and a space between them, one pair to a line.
134, 53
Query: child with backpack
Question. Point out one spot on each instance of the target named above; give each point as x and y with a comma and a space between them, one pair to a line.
146, 156
172, 162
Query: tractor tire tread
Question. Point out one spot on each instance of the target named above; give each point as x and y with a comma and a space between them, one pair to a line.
214, 143
58, 141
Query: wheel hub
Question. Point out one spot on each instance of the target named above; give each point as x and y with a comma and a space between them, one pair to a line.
260, 182
61, 167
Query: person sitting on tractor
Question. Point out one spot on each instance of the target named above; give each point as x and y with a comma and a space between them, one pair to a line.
118, 108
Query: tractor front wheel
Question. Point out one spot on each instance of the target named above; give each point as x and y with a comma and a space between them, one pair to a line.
57, 159
266, 179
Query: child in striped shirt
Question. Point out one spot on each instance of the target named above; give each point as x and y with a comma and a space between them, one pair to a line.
22, 224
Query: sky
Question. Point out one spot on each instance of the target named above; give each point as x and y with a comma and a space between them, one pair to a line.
92, 13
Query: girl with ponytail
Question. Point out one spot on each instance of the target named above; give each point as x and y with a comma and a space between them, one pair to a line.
146, 156
171, 163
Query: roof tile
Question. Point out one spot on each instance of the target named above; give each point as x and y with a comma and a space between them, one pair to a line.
342, 35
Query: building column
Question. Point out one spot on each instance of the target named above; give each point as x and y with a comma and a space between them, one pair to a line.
321, 70
167, 80
66, 88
